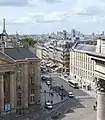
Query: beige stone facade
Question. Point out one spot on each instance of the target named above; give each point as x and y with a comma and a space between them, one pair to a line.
39, 51
82, 67
19, 82
55, 52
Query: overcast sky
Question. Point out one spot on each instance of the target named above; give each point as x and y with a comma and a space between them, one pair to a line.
44, 16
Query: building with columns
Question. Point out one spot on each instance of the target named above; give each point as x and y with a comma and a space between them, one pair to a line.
19, 78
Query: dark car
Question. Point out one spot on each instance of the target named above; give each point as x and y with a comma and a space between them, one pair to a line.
61, 87
43, 78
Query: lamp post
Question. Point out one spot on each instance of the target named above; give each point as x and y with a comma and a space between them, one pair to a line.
45, 95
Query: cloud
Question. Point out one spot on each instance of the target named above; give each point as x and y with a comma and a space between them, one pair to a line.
52, 1
56, 13
46, 1
90, 8
26, 2
13, 2
23, 20
92, 11
53, 17
42, 17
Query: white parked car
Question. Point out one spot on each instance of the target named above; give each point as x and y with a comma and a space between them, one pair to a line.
49, 105
71, 95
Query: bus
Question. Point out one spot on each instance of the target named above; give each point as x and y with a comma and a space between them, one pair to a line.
73, 84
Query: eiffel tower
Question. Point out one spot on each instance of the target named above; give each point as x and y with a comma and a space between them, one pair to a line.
4, 30
4, 33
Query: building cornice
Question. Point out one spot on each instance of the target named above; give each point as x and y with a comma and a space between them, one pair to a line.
97, 56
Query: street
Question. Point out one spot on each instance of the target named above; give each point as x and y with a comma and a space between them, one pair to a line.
64, 107
55, 98
79, 108
85, 113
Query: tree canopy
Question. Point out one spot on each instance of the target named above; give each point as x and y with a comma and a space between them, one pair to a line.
29, 41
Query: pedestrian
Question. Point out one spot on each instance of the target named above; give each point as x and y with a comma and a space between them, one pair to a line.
96, 103
94, 107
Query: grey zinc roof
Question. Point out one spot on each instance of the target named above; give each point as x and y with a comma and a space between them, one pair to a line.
20, 53
86, 47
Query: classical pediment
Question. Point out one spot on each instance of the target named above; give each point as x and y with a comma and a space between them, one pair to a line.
4, 59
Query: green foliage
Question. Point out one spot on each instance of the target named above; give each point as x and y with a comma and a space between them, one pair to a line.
29, 41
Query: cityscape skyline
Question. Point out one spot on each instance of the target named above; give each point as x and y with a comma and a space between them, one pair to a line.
52, 59
44, 16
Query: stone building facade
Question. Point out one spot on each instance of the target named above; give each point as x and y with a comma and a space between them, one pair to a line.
57, 53
19, 78
82, 67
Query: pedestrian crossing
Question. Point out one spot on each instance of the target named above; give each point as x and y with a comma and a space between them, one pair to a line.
84, 97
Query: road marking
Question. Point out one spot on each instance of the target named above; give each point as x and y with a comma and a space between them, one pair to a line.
83, 97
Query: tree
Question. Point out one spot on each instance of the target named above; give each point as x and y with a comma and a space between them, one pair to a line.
29, 41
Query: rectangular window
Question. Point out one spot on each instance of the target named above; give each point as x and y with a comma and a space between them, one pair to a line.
32, 99
32, 91
32, 81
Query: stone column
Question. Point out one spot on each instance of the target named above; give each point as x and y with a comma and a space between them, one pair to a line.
38, 82
12, 89
101, 105
1, 92
26, 75
101, 99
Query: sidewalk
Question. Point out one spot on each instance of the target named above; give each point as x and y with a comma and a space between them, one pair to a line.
55, 98
91, 93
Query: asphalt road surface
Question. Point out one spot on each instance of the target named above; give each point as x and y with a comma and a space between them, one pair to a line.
55, 98
69, 104
62, 107
57, 81
76, 92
